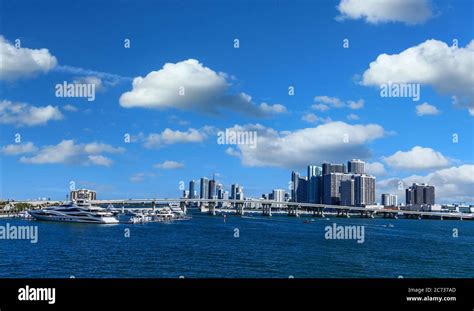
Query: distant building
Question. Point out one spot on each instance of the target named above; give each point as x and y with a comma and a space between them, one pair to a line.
332, 183
220, 191
82, 194
278, 195
419, 194
192, 190
314, 184
204, 188
364, 188
356, 166
329, 168
212, 189
389, 199
347, 192
185, 194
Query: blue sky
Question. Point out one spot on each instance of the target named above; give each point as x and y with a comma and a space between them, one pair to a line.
281, 44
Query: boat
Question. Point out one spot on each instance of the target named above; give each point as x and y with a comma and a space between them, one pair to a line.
80, 211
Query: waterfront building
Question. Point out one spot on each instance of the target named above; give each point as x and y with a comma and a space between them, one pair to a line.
220, 191
295, 176
192, 190
204, 188
389, 199
348, 192
185, 194
233, 191
278, 195
329, 168
82, 194
419, 194
331, 184
314, 184
356, 166
364, 190
212, 188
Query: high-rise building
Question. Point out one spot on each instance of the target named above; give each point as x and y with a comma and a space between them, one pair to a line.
212, 189
240, 193
233, 191
364, 190
419, 194
331, 184
389, 199
347, 192
329, 168
295, 176
204, 188
279, 196
314, 184
192, 190
356, 166
220, 191
302, 193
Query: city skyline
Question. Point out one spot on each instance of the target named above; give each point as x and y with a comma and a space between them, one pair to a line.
163, 97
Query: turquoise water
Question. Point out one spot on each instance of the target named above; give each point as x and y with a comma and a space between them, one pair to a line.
249, 246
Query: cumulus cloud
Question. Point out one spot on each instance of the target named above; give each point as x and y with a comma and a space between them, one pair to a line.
410, 12
188, 85
22, 114
169, 165
312, 118
171, 137
291, 149
426, 109
453, 184
23, 62
375, 168
16, 149
418, 158
68, 152
324, 103
447, 69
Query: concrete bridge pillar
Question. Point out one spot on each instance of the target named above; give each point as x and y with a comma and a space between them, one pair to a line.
212, 208
267, 209
293, 210
239, 208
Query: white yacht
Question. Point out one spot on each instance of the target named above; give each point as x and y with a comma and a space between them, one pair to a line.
79, 211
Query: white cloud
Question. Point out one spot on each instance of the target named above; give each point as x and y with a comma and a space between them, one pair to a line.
138, 178
15, 149
100, 160
21, 62
418, 158
375, 168
447, 69
90, 80
356, 104
324, 103
171, 137
410, 12
312, 118
320, 107
22, 114
297, 148
426, 109
68, 152
188, 85
453, 184
352, 116
169, 165
331, 101
70, 108
106, 78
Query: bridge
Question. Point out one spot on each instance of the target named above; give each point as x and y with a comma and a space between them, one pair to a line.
268, 206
